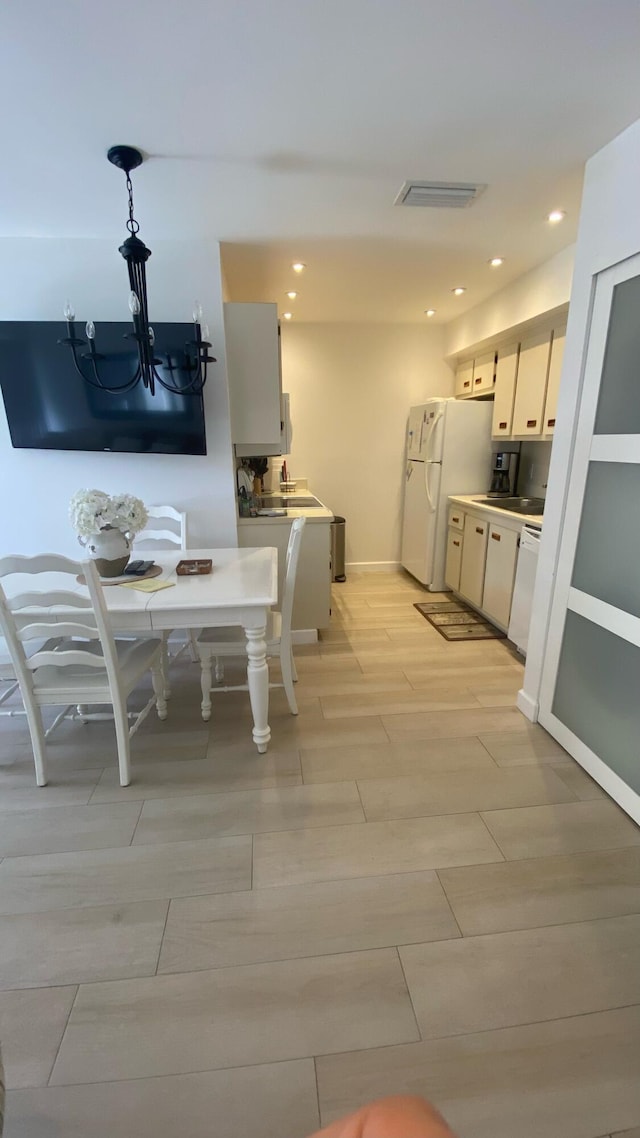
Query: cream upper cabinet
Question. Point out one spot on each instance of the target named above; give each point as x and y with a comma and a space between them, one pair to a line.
474, 551
252, 337
464, 379
553, 384
484, 373
531, 385
454, 559
500, 571
506, 370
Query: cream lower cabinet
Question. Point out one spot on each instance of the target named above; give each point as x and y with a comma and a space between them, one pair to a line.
454, 559
474, 552
499, 575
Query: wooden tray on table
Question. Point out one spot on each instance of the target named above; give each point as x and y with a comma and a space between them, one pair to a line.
194, 567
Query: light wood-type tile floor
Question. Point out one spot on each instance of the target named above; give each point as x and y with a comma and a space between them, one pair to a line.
415, 890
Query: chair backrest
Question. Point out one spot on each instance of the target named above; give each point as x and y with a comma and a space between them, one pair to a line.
170, 534
291, 570
27, 617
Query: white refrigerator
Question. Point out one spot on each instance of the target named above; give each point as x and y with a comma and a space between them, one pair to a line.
448, 452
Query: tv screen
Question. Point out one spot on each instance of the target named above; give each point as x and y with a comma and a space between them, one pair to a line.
50, 407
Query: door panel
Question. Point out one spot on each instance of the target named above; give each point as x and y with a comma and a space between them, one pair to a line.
596, 695
454, 559
553, 383
506, 369
531, 385
607, 556
474, 551
618, 410
500, 571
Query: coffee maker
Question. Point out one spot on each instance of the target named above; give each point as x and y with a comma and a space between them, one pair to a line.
504, 474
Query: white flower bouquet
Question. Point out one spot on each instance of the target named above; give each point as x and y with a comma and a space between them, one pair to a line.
91, 511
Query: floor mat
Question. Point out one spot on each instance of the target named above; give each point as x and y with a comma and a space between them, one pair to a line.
456, 621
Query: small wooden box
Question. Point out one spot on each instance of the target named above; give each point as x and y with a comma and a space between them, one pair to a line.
194, 568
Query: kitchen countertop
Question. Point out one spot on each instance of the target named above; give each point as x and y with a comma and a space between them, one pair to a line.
475, 499
315, 515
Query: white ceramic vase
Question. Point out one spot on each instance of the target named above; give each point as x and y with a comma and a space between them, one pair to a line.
110, 549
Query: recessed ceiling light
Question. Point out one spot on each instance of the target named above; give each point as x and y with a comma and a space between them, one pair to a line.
298, 266
458, 291
430, 311
556, 215
495, 262
292, 295
287, 315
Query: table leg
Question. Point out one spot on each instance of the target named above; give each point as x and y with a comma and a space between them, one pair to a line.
258, 682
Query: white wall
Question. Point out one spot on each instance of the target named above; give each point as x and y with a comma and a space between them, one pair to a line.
351, 387
609, 233
532, 295
36, 277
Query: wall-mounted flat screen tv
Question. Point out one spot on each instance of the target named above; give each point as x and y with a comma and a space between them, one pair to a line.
50, 407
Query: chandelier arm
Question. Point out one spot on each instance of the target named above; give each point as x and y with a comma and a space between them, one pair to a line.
100, 386
194, 387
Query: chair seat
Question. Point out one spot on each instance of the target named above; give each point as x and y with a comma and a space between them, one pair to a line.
231, 641
86, 684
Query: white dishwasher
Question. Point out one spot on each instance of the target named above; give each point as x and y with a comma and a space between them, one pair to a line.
523, 588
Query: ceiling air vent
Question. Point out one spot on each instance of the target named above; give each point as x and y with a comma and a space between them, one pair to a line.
439, 195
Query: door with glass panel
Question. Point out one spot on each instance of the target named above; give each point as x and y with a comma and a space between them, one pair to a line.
590, 694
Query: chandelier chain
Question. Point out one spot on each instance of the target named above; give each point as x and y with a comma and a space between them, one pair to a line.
132, 225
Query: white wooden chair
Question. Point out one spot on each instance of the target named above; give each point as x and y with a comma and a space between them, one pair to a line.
213, 644
174, 532
80, 663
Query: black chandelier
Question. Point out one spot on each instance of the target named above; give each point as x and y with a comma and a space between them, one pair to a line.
135, 252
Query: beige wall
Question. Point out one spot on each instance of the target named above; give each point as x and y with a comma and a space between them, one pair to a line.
351, 387
530, 296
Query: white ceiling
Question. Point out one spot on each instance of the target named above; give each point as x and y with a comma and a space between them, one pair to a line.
285, 128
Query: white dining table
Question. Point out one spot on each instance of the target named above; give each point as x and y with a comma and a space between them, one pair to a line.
240, 590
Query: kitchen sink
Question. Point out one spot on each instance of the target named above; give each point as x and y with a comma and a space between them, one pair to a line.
531, 506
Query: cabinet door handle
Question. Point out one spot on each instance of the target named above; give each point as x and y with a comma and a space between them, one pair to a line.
551, 422
532, 422
467, 383
456, 543
503, 426
455, 519
495, 537
479, 529
478, 380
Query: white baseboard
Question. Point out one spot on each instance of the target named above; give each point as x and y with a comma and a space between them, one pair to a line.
528, 706
373, 566
304, 635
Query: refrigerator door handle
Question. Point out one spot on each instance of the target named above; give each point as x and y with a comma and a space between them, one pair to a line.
428, 466
431, 434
